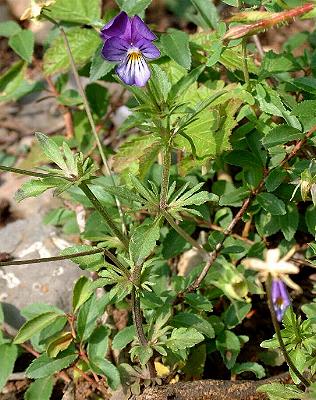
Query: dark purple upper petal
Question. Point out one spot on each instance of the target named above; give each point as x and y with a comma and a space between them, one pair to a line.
140, 28
117, 26
147, 49
115, 49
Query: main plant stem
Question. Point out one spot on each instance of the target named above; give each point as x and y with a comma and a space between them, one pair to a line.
104, 214
276, 326
138, 317
166, 164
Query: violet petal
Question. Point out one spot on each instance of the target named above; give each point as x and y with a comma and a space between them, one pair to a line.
280, 298
117, 26
138, 26
147, 49
115, 49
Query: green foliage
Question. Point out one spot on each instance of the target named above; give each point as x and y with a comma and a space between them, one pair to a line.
44, 366
40, 389
78, 11
168, 239
36, 324
8, 355
22, 43
83, 43
176, 46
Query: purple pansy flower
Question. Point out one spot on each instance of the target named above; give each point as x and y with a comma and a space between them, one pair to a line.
128, 41
280, 298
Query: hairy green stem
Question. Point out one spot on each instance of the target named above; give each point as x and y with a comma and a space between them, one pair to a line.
69, 257
166, 164
138, 317
31, 173
47, 259
104, 214
244, 61
276, 326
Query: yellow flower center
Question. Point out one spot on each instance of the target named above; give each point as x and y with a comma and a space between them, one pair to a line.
134, 56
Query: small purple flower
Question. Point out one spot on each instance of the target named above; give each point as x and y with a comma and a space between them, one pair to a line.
280, 298
128, 41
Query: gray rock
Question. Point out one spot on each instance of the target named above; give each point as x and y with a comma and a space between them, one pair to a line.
49, 282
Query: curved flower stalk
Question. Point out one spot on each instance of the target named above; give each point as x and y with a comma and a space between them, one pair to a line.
128, 42
279, 269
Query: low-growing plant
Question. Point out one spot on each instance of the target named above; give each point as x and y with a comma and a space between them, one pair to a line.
214, 172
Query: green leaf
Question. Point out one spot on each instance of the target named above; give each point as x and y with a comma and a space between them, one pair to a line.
8, 355
79, 11
176, 46
281, 134
289, 222
51, 150
34, 325
159, 84
310, 219
143, 241
275, 178
174, 244
60, 343
104, 367
13, 83
137, 155
41, 389
35, 187
9, 28
23, 44
235, 313
81, 292
206, 129
254, 367
229, 346
306, 112
182, 85
183, 338
271, 203
92, 262
87, 317
99, 66
143, 353
234, 197
44, 366
198, 302
208, 12
132, 7
188, 320
279, 391
98, 343
234, 3
69, 97
124, 337
83, 43
273, 63
242, 158
306, 84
